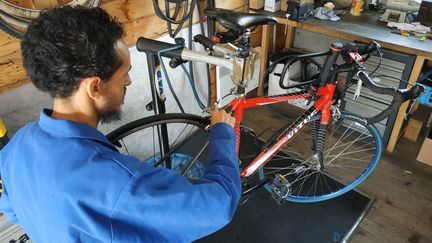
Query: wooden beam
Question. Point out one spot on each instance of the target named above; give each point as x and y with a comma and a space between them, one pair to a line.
264, 54
289, 37
138, 19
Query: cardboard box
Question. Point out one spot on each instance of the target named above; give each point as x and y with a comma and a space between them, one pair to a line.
413, 129
256, 4
425, 154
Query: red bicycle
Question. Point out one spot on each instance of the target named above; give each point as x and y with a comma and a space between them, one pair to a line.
324, 153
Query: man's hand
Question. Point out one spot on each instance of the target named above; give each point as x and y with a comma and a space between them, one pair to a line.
218, 116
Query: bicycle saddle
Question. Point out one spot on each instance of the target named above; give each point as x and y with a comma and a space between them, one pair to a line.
238, 21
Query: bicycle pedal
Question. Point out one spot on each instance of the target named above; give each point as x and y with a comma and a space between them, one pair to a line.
281, 188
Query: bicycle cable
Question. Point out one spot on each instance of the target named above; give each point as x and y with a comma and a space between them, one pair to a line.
166, 73
379, 63
194, 90
167, 17
188, 10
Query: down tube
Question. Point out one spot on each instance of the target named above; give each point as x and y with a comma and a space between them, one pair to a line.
279, 142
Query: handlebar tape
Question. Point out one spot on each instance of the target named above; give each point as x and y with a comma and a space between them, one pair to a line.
399, 96
150, 46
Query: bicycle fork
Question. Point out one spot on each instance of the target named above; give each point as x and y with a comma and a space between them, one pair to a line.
280, 185
318, 141
320, 126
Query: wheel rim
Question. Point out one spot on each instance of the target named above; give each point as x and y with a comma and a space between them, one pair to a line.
351, 153
185, 139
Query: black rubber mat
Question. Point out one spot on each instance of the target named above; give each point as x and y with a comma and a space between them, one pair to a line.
261, 219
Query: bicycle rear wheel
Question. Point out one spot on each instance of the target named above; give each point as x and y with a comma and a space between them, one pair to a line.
352, 150
175, 141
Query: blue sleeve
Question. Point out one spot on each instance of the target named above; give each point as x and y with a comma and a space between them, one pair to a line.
4, 202
159, 205
6, 208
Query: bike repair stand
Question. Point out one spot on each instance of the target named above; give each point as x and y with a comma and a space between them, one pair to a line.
158, 104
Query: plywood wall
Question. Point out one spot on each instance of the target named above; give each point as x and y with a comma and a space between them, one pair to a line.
138, 19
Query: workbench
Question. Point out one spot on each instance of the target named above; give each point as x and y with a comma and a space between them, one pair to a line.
364, 28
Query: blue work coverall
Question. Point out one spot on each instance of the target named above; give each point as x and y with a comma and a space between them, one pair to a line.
64, 182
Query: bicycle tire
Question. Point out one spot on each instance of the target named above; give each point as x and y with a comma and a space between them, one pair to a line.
183, 144
8, 29
303, 175
15, 19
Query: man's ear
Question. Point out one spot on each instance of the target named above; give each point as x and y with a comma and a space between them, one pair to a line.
93, 86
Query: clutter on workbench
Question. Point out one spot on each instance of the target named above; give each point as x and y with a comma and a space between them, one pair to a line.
356, 7
396, 10
324, 13
299, 10
408, 33
414, 27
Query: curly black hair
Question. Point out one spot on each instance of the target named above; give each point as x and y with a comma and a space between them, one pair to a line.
66, 44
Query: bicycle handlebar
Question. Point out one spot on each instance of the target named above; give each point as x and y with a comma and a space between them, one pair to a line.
362, 49
353, 55
399, 95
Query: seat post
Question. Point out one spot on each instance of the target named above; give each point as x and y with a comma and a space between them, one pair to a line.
245, 42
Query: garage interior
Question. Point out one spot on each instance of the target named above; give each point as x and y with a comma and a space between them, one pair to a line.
397, 196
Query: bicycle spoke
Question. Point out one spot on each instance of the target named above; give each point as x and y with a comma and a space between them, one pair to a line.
349, 150
124, 145
142, 139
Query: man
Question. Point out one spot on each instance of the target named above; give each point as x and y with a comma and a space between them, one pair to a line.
64, 182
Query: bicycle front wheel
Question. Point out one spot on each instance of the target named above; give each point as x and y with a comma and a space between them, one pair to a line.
352, 150
175, 141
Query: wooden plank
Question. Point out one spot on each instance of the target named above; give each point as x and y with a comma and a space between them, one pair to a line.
126, 11
362, 235
138, 19
267, 45
12, 71
264, 54
233, 4
415, 74
256, 37
365, 29
8, 45
14, 85
289, 37
387, 228
213, 86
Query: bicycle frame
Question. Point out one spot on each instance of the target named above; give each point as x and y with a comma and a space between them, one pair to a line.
323, 97
239, 104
